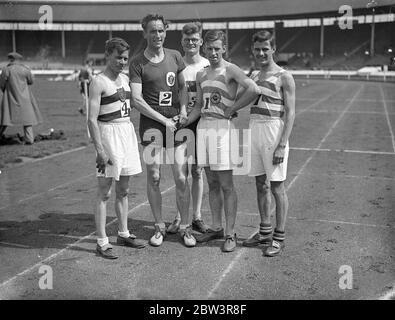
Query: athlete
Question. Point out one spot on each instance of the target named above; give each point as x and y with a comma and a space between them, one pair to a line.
191, 42
217, 86
271, 122
85, 76
117, 154
160, 94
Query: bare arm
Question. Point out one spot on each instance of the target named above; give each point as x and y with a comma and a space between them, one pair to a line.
142, 106
288, 85
94, 107
183, 97
249, 87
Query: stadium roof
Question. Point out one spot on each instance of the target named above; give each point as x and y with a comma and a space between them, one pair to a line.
178, 10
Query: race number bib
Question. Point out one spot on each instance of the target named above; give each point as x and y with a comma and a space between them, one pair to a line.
125, 110
165, 98
191, 101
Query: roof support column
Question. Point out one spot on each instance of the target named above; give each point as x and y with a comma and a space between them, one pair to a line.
63, 44
322, 38
13, 40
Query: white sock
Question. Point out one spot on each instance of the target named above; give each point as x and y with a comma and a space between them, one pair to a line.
124, 234
102, 241
183, 226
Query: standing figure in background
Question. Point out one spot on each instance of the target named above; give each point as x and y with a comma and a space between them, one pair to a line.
18, 105
85, 76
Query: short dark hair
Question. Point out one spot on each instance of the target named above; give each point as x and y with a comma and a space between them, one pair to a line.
116, 43
153, 17
213, 35
262, 36
192, 28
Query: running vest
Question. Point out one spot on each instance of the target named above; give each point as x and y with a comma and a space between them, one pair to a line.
270, 103
190, 78
116, 105
217, 95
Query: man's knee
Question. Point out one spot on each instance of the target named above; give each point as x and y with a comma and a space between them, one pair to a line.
154, 178
196, 172
121, 193
104, 195
214, 185
180, 181
262, 185
278, 188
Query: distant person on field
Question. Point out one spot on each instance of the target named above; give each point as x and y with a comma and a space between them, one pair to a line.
18, 105
85, 75
114, 138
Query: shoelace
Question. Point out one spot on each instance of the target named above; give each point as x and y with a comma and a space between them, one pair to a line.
276, 244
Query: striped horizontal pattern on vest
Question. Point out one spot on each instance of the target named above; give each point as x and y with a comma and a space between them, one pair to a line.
270, 103
117, 105
216, 96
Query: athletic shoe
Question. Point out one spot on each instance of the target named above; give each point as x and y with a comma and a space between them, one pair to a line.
174, 226
258, 239
210, 235
157, 239
187, 237
274, 249
229, 244
106, 252
132, 241
199, 226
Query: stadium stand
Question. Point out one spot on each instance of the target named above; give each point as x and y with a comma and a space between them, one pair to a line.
298, 39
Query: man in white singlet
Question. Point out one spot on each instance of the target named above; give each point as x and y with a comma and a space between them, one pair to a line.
271, 122
191, 42
217, 86
115, 141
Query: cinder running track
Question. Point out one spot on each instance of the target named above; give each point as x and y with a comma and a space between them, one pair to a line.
341, 183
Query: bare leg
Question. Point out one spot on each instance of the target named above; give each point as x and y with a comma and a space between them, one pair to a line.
103, 194
180, 173
215, 198
230, 200
263, 198
197, 191
281, 198
153, 191
121, 202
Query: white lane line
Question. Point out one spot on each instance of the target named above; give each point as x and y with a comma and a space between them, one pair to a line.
300, 111
344, 150
49, 190
388, 119
256, 214
344, 222
54, 255
351, 112
241, 252
45, 158
15, 245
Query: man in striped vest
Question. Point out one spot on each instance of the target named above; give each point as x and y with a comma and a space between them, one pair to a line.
271, 121
216, 88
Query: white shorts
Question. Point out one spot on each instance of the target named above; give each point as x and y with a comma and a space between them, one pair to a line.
214, 145
265, 136
120, 144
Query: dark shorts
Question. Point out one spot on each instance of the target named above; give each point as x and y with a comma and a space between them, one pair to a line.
147, 126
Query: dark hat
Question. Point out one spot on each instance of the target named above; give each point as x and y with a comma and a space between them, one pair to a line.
14, 55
